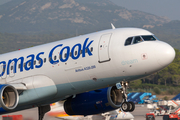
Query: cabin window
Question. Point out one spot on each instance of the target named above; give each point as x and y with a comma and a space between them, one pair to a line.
4, 67
29, 63
148, 38
54, 57
128, 41
137, 39
49, 59
60, 56
75, 52
44, 60
40, 61
65, 55
34, 62
91, 49
11, 67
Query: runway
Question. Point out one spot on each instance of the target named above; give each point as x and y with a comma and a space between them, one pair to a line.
32, 114
140, 113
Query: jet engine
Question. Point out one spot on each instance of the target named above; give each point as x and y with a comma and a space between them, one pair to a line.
94, 102
8, 98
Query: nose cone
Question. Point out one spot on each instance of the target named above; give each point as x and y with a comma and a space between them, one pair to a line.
165, 54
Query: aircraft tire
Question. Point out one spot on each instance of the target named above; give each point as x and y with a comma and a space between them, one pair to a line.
125, 106
131, 106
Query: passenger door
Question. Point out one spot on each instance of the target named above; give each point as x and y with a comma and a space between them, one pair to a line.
103, 49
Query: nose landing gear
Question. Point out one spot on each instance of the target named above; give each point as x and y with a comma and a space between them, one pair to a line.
127, 106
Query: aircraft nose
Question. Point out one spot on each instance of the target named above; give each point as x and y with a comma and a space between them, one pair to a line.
165, 54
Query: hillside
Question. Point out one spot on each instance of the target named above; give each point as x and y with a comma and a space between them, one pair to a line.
69, 16
12, 42
32, 17
169, 32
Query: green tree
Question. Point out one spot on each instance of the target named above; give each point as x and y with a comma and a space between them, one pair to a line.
176, 79
157, 90
135, 84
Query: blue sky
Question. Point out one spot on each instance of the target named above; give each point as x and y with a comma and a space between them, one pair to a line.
169, 8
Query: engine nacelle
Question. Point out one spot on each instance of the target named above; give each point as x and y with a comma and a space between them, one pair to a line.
94, 102
8, 98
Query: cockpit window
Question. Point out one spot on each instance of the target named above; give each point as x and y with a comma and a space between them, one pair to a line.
148, 38
137, 39
155, 37
128, 41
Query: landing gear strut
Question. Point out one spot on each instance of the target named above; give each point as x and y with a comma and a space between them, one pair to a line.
42, 110
126, 106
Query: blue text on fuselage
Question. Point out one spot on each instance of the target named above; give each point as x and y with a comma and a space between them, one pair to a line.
85, 48
29, 64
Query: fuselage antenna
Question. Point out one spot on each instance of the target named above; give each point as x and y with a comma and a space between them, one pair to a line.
112, 26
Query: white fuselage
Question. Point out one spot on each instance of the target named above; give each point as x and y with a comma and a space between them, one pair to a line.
80, 64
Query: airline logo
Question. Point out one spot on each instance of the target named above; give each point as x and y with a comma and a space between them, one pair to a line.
29, 64
85, 48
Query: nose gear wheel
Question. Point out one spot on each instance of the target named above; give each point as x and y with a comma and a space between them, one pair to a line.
126, 106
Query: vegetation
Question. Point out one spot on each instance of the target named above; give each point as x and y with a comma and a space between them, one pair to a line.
11, 42
169, 33
69, 16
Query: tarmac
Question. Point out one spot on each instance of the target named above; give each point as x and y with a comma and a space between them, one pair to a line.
140, 113
32, 114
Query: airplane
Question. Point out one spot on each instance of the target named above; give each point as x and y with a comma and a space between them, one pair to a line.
57, 110
91, 72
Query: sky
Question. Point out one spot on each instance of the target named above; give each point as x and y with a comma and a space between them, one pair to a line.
168, 8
